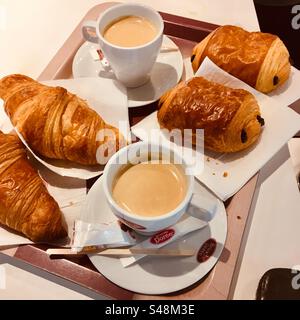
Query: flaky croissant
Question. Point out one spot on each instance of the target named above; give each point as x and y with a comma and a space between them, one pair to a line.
55, 123
230, 117
25, 204
259, 59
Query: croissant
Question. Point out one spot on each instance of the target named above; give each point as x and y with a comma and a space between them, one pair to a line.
57, 124
230, 117
259, 59
25, 204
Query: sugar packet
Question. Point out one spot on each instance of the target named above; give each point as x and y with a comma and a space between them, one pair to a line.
113, 234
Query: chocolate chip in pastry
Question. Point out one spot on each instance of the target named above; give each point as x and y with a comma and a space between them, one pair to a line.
230, 117
259, 59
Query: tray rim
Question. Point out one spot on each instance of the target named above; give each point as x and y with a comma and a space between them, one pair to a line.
246, 193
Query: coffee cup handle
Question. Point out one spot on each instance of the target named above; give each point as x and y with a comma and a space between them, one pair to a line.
202, 208
89, 31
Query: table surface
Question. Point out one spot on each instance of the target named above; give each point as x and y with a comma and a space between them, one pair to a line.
32, 31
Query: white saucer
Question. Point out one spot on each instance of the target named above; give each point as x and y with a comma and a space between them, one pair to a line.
157, 275
166, 72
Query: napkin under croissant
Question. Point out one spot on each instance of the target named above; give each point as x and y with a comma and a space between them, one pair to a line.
230, 117
259, 59
25, 204
55, 123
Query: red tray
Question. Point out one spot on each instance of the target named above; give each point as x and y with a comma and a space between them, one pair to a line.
218, 284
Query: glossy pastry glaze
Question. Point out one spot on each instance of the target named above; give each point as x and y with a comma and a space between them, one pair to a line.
55, 123
25, 204
242, 54
228, 116
276, 68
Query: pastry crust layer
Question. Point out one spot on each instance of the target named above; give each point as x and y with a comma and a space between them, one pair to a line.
25, 204
56, 123
259, 59
228, 116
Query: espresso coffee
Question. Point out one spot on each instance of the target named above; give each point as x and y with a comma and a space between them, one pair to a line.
130, 31
150, 189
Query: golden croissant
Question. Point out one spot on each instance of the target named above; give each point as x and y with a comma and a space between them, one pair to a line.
55, 123
230, 117
259, 59
25, 204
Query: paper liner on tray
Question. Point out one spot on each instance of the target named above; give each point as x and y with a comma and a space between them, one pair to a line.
225, 174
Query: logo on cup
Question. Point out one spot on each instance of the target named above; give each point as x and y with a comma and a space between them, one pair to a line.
296, 18
132, 225
162, 236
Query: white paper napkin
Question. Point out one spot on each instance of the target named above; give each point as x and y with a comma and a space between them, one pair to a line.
225, 174
109, 99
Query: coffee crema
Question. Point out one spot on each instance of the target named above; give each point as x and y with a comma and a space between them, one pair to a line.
150, 189
130, 31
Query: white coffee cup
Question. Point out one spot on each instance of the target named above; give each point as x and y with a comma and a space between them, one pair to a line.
131, 65
196, 205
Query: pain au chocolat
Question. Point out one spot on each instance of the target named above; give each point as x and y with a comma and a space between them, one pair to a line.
259, 59
25, 204
230, 118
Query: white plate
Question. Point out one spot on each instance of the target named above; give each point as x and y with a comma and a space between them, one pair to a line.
166, 72
157, 275
109, 99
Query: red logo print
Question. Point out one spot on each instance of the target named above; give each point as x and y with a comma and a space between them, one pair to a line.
207, 250
162, 236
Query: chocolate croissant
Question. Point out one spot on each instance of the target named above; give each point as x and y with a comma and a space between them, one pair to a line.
57, 124
230, 117
259, 59
25, 204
